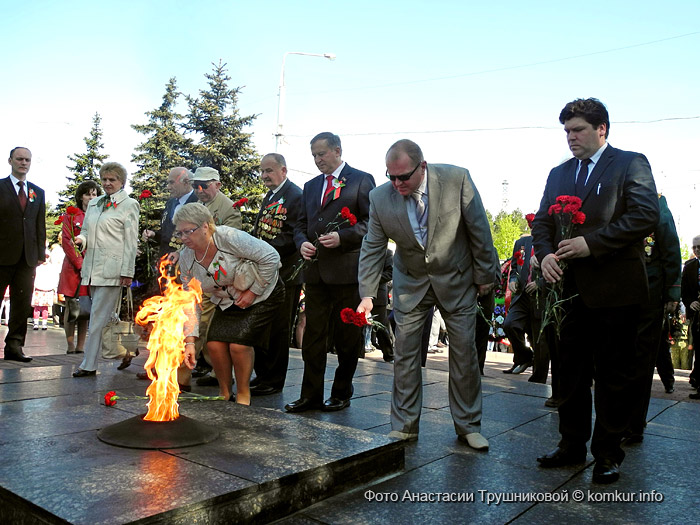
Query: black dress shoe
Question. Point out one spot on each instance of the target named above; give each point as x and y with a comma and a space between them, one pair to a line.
388, 356
126, 361
79, 372
562, 457
696, 395
16, 356
510, 370
143, 376
552, 402
606, 471
670, 389
200, 371
521, 368
333, 404
302, 405
184, 388
263, 390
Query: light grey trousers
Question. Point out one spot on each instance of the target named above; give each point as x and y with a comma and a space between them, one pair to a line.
104, 302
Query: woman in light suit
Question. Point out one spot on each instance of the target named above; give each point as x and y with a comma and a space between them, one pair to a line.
109, 237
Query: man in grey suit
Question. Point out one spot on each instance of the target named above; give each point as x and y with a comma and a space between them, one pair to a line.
445, 258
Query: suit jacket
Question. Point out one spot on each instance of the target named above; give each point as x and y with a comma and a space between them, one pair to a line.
221, 208
109, 236
689, 284
663, 259
621, 207
459, 250
22, 232
275, 225
336, 265
165, 235
520, 273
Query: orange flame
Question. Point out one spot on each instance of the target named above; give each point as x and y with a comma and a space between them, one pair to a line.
169, 313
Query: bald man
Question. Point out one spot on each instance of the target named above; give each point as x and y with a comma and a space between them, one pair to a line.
181, 192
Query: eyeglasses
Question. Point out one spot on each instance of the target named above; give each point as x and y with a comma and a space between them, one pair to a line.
184, 233
402, 178
199, 184
696, 247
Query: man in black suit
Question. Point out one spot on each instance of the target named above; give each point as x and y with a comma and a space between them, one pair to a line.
331, 272
275, 225
518, 321
181, 192
690, 295
23, 241
603, 271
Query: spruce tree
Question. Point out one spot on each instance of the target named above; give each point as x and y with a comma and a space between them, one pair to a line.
222, 143
86, 166
164, 148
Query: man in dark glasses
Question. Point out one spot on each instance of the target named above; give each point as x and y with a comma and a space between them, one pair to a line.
444, 258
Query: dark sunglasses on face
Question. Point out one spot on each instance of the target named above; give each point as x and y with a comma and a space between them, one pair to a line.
402, 178
200, 185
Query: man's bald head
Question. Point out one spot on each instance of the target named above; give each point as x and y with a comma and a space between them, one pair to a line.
179, 182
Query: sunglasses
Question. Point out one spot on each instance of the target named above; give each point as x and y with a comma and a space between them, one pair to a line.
402, 178
199, 184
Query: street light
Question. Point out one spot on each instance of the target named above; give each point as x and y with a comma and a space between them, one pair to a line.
281, 95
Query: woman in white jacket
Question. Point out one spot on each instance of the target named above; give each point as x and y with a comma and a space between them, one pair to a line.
109, 237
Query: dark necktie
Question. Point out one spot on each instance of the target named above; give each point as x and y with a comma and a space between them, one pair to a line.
329, 190
22, 195
582, 176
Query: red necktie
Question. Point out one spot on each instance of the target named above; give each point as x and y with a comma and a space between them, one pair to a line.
22, 195
329, 190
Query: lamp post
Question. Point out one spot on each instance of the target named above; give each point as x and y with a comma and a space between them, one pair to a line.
281, 95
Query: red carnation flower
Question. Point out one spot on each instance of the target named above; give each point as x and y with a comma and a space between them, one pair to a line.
554, 208
578, 217
347, 315
58, 221
72, 210
348, 216
529, 218
240, 202
145, 194
110, 398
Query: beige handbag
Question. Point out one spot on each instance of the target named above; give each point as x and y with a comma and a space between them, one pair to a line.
245, 274
118, 337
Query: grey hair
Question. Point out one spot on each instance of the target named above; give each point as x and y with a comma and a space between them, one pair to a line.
332, 140
279, 159
195, 213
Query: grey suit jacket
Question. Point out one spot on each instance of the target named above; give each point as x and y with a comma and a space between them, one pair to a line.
458, 254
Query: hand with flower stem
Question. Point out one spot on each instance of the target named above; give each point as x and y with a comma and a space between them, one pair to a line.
573, 248
330, 240
307, 250
365, 306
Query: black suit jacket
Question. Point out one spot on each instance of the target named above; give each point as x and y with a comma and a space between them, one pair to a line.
689, 284
621, 207
337, 265
520, 273
275, 225
165, 235
22, 232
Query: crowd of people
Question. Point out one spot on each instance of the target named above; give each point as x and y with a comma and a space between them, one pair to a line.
602, 243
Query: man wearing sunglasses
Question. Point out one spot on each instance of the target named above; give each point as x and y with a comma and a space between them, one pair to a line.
445, 258
207, 185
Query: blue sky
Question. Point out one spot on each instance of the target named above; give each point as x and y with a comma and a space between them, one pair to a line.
475, 84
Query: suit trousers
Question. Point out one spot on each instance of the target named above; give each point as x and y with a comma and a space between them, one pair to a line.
271, 363
464, 387
517, 324
323, 305
104, 302
207, 312
597, 344
20, 278
650, 328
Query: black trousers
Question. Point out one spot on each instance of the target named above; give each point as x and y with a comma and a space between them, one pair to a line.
597, 344
517, 324
20, 278
271, 363
651, 328
323, 305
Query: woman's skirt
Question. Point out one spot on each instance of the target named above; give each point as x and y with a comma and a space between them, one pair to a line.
42, 298
250, 326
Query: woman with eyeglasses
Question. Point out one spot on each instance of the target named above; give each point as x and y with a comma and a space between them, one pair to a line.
108, 237
242, 275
